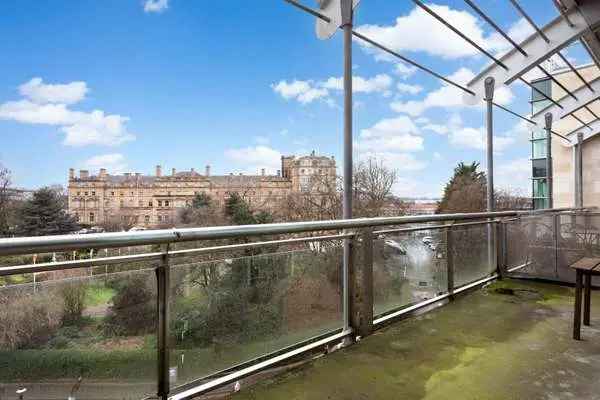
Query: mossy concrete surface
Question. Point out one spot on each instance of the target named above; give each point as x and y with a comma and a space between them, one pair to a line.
511, 340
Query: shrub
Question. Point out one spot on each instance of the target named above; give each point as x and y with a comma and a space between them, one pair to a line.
29, 320
73, 295
133, 310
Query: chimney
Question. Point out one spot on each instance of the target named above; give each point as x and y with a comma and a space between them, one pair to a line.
262, 171
71, 173
158, 170
84, 174
173, 171
103, 173
207, 170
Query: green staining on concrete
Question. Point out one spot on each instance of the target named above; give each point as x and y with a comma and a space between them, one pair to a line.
491, 344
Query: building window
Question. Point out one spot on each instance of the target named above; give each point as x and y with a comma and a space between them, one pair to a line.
166, 203
86, 193
146, 218
122, 203
159, 218
132, 193
77, 218
112, 193
160, 203
141, 203
93, 193
149, 204
92, 217
539, 155
78, 193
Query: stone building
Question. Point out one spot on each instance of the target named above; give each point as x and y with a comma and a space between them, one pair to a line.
152, 200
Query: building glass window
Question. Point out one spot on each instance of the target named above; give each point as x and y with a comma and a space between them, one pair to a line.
146, 218
160, 203
159, 218
93, 193
539, 168
121, 203
538, 148
540, 203
540, 188
166, 203
86, 193
538, 145
92, 217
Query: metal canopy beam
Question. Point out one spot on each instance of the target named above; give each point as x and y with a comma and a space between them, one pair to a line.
583, 97
594, 129
559, 32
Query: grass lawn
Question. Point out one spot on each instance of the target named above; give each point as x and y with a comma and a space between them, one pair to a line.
98, 294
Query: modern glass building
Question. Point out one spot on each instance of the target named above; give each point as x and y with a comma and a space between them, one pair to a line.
538, 146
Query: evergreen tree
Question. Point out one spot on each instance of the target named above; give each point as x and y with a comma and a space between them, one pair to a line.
466, 190
44, 214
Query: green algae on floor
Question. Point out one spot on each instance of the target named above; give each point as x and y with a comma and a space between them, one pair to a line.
485, 345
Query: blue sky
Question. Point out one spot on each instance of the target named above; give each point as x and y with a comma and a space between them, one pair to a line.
128, 84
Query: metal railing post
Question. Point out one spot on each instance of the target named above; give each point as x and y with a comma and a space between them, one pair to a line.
361, 302
163, 285
500, 244
556, 237
450, 261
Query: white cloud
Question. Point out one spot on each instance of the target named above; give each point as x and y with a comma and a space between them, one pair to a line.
303, 91
475, 138
379, 83
156, 6
514, 175
307, 91
391, 134
448, 96
404, 71
252, 159
97, 128
115, 163
420, 32
518, 32
401, 162
410, 89
437, 155
439, 129
44, 107
41, 93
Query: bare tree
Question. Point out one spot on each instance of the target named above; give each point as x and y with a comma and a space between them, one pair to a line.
119, 221
5, 201
373, 184
510, 199
372, 196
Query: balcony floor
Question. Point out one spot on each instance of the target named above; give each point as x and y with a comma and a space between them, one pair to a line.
485, 345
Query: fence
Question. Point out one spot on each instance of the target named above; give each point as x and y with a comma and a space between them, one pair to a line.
182, 322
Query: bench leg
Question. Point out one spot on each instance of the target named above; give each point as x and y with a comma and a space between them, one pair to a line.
587, 299
577, 313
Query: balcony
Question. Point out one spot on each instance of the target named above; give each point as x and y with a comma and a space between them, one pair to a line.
208, 311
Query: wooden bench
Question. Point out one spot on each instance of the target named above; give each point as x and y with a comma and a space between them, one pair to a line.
584, 267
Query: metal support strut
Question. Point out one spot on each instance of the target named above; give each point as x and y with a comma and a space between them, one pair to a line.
163, 285
549, 169
347, 21
489, 99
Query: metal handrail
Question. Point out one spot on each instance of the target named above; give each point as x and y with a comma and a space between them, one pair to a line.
30, 245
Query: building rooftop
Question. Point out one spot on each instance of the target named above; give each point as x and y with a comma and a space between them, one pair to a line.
485, 345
